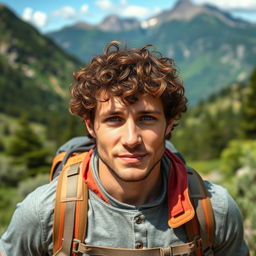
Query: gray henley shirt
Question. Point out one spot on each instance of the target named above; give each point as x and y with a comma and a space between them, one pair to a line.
117, 224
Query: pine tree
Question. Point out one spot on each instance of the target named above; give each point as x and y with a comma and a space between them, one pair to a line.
25, 140
248, 117
27, 149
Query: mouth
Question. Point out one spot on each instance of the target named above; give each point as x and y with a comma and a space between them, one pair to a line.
132, 158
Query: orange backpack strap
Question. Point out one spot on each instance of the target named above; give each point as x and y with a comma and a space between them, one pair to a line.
203, 224
55, 162
71, 206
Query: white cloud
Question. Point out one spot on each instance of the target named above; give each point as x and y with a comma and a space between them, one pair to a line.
40, 19
242, 5
123, 9
84, 9
104, 5
134, 11
27, 14
37, 18
67, 12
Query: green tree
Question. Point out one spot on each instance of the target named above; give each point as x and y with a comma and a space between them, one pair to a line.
73, 128
2, 147
27, 149
6, 130
24, 140
248, 115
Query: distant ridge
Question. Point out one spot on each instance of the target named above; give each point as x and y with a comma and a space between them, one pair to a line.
186, 10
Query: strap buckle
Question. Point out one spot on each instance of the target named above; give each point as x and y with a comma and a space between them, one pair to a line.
75, 246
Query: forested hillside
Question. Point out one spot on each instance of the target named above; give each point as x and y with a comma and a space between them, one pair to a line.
35, 73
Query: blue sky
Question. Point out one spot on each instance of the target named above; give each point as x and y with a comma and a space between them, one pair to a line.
51, 15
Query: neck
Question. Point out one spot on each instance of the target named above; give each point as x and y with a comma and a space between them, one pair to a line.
131, 192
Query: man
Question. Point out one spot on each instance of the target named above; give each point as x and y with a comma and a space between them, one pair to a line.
129, 100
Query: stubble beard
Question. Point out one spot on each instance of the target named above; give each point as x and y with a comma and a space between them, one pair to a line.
118, 177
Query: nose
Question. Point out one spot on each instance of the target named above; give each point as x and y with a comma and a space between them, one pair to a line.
131, 134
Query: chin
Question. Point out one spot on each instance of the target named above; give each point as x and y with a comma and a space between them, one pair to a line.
134, 175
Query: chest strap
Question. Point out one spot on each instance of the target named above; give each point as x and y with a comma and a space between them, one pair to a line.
180, 249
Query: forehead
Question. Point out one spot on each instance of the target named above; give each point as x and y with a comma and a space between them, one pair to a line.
146, 103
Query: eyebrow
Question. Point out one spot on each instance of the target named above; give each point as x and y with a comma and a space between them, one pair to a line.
142, 112
145, 112
111, 113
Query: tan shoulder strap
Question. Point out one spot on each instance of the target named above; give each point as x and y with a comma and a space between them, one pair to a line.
70, 213
203, 224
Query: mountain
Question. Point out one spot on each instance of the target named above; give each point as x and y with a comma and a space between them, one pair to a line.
185, 10
35, 72
210, 47
113, 23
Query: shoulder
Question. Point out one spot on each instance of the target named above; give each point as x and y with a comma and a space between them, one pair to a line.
39, 207
31, 223
222, 202
229, 236
40, 200
37, 203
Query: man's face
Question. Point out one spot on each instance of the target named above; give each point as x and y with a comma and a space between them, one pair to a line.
129, 138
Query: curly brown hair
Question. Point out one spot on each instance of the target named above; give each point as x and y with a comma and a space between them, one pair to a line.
127, 73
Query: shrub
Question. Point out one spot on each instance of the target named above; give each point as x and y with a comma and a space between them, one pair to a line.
239, 153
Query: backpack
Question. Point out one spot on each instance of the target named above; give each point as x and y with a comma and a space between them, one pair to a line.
71, 207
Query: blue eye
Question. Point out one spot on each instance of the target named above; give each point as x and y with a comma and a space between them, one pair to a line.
148, 118
113, 119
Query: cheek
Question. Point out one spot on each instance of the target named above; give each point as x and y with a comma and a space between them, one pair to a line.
105, 142
154, 138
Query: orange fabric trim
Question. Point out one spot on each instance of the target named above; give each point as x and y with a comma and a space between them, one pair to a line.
61, 228
57, 159
181, 209
77, 223
76, 159
207, 217
89, 178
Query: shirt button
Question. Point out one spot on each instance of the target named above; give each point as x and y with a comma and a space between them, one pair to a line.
139, 245
139, 219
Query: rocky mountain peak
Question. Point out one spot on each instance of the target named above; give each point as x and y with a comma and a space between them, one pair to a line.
183, 4
186, 10
115, 24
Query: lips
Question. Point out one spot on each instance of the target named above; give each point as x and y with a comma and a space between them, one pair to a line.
132, 158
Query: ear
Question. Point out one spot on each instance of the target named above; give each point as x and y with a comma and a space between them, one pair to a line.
89, 127
169, 126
